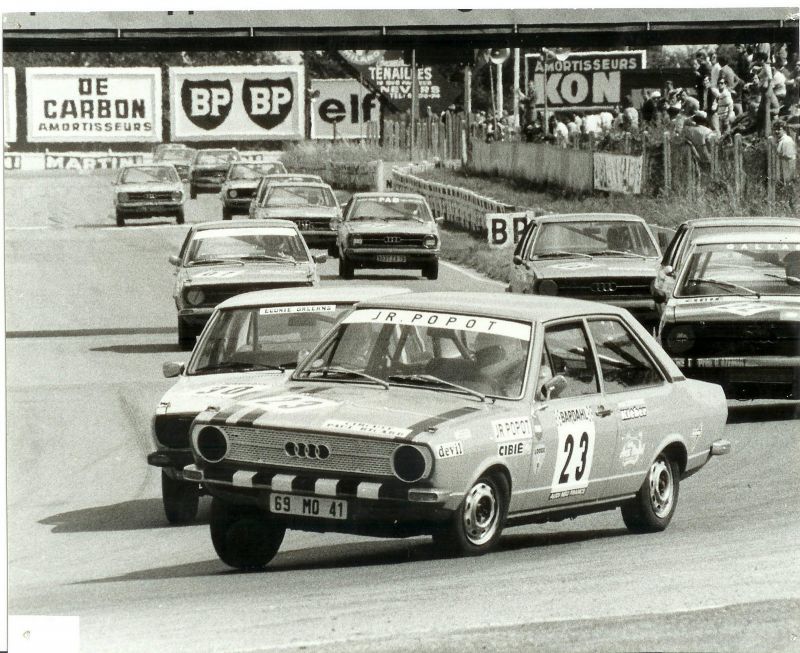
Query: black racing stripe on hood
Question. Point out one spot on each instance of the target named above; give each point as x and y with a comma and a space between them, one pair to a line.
425, 424
248, 418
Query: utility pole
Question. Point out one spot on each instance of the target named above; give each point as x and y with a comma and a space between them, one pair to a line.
414, 100
499, 101
515, 88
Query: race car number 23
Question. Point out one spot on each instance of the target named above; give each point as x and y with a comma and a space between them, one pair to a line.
574, 453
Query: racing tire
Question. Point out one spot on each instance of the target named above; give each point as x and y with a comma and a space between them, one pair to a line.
226, 213
346, 268
181, 499
192, 192
244, 537
475, 527
431, 270
655, 502
185, 337
179, 217
120, 219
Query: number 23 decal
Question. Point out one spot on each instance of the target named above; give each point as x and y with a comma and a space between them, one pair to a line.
574, 456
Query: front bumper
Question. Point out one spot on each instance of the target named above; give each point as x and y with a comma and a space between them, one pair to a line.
236, 204
774, 377
319, 237
413, 257
148, 208
196, 316
207, 182
174, 460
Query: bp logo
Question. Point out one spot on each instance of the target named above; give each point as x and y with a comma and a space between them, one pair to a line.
206, 103
268, 101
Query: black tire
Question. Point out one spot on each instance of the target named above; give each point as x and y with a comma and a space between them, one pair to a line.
185, 336
333, 251
431, 270
346, 269
244, 537
120, 219
655, 502
192, 192
179, 216
475, 527
181, 499
227, 214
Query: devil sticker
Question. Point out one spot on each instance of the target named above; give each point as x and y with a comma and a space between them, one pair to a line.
206, 103
268, 101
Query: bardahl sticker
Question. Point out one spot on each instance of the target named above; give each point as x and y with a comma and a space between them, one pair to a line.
574, 415
450, 449
632, 412
347, 426
280, 310
512, 428
453, 321
516, 448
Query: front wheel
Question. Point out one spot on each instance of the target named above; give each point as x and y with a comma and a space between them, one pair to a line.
179, 216
227, 214
651, 510
346, 268
185, 336
244, 537
192, 192
476, 525
120, 219
431, 270
181, 499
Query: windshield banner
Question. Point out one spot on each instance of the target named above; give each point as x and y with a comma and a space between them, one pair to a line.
451, 321
281, 310
87, 105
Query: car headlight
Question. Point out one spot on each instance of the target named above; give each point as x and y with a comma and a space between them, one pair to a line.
176, 196
195, 296
547, 287
356, 241
122, 197
211, 444
429, 241
679, 339
232, 193
411, 463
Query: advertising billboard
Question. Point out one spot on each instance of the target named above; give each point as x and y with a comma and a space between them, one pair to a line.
341, 108
85, 105
229, 103
9, 105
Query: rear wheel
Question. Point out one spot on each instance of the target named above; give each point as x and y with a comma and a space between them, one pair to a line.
120, 219
431, 270
655, 502
192, 192
185, 336
244, 537
346, 268
179, 217
181, 499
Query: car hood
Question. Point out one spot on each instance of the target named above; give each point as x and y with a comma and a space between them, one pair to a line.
772, 308
148, 188
212, 275
350, 408
605, 266
193, 394
390, 227
298, 212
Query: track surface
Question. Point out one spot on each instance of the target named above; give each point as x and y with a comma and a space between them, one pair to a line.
90, 319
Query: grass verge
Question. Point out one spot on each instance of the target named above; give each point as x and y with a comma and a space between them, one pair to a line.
471, 251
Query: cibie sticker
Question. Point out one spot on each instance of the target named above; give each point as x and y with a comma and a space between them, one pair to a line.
347, 426
632, 449
632, 412
450, 449
512, 428
515, 448
287, 403
744, 309
575, 451
216, 274
229, 390
281, 310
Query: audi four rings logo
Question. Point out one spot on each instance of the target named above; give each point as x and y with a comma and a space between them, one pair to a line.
605, 286
392, 240
307, 450
304, 225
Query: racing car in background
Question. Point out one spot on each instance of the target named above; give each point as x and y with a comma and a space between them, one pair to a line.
179, 156
251, 344
261, 190
146, 190
241, 182
209, 168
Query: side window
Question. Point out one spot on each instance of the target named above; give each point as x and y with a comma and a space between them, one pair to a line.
185, 244
568, 353
523, 239
623, 361
673, 247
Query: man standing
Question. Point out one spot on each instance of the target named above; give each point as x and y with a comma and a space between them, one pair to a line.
787, 153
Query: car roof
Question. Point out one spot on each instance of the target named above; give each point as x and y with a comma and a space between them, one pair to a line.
216, 149
583, 217
414, 196
742, 222
500, 305
750, 236
155, 164
303, 184
327, 294
238, 224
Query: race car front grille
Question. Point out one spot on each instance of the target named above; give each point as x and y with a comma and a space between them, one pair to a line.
745, 338
312, 224
393, 240
598, 288
149, 197
173, 430
244, 193
333, 453
213, 295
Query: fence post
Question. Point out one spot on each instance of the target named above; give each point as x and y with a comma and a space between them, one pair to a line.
464, 149
687, 155
667, 140
627, 143
770, 173
737, 166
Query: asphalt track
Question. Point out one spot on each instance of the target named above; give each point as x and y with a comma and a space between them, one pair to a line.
89, 321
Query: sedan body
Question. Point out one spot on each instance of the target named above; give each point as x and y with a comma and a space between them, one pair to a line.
209, 168
180, 157
456, 414
313, 207
221, 259
240, 185
261, 190
147, 190
603, 257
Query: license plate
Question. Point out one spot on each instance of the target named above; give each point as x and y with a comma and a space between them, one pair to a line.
391, 258
289, 504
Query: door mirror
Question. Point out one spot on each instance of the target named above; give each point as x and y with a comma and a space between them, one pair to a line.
439, 219
301, 355
174, 260
517, 260
552, 388
320, 258
172, 369
669, 271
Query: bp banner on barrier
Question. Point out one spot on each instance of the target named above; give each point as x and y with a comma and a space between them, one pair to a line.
9, 105
505, 229
85, 105
342, 108
237, 103
618, 173
582, 80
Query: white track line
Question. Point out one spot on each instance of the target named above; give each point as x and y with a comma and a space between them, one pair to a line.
472, 275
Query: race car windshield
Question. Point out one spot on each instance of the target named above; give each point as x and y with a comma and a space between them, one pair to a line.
246, 244
214, 158
756, 268
149, 175
390, 208
252, 170
594, 238
299, 196
441, 352
259, 338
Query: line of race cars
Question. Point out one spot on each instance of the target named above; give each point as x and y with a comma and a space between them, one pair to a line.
384, 412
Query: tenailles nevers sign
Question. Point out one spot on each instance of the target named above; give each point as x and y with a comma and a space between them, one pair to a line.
342, 108
584, 80
237, 103
84, 105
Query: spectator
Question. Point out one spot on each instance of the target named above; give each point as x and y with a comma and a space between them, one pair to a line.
779, 81
698, 135
715, 69
559, 131
732, 81
708, 102
725, 110
650, 106
606, 120
743, 61
702, 69
787, 153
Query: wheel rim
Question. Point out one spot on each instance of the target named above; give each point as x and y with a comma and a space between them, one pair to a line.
480, 513
662, 487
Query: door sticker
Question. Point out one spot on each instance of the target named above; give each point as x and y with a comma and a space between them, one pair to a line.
574, 452
632, 449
